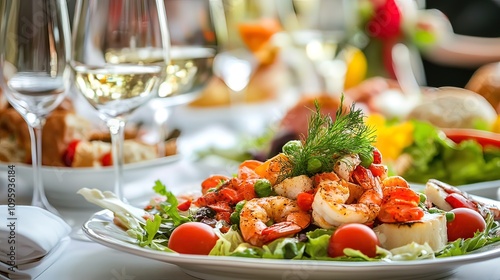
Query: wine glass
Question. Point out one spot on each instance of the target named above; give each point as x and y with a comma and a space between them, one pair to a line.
237, 60
194, 43
35, 49
120, 55
320, 29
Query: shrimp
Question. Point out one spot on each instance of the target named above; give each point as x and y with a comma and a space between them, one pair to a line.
257, 213
330, 207
400, 202
400, 205
395, 181
345, 166
291, 187
355, 190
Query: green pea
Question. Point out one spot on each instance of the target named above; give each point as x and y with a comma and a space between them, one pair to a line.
234, 218
314, 165
239, 205
423, 197
292, 147
263, 188
366, 159
450, 216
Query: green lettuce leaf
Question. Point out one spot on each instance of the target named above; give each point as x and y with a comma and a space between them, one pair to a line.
434, 156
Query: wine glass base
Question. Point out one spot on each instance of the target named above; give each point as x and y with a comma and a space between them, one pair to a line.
46, 206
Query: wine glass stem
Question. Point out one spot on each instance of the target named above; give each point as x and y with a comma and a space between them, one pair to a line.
39, 198
116, 128
161, 116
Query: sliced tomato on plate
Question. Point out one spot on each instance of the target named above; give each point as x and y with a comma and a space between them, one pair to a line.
483, 138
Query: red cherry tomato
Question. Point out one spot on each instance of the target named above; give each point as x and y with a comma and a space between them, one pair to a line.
377, 156
355, 236
107, 159
458, 201
305, 200
69, 154
193, 238
184, 206
465, 224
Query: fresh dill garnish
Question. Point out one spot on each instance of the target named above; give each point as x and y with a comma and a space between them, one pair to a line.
329, 140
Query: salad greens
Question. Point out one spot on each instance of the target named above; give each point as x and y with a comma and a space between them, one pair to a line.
433, 156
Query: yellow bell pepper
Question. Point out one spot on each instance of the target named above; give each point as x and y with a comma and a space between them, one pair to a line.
391, 138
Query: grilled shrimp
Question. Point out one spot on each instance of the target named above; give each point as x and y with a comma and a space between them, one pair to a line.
286, 215
331, 208
291, 187
345, 166
395, 181
400, 202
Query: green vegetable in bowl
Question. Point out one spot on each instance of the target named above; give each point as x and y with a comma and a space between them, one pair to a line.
433, 156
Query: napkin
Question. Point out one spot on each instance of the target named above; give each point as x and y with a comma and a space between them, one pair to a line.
31, 238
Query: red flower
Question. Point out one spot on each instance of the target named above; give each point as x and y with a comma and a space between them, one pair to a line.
386, 23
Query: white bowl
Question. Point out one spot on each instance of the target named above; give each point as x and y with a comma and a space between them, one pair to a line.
62, 183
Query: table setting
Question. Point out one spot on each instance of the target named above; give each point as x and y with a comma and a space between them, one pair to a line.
224, 139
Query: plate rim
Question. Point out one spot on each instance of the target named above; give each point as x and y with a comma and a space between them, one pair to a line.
129, 166
326, 266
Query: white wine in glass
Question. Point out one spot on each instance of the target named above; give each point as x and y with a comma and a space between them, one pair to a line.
120, 55
194, 38
35, 74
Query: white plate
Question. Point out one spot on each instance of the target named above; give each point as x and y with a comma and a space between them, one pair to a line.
101, 229
62, 183
488, 189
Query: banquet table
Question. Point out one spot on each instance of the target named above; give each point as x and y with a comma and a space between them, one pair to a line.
84, 259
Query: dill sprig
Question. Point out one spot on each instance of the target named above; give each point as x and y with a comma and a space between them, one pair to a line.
329, 140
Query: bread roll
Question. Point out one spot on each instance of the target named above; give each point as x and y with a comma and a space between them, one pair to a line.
450, 107
486, 82
14, 137
62, 126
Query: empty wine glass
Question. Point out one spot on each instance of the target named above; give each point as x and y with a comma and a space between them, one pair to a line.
35, 48
120, 54
321, 29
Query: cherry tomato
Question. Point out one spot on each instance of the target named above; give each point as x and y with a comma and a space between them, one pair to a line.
69, 154
193, 238
184, 206
107, 159
355, 236
305, 200
465, 224
458, 201
377, 156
